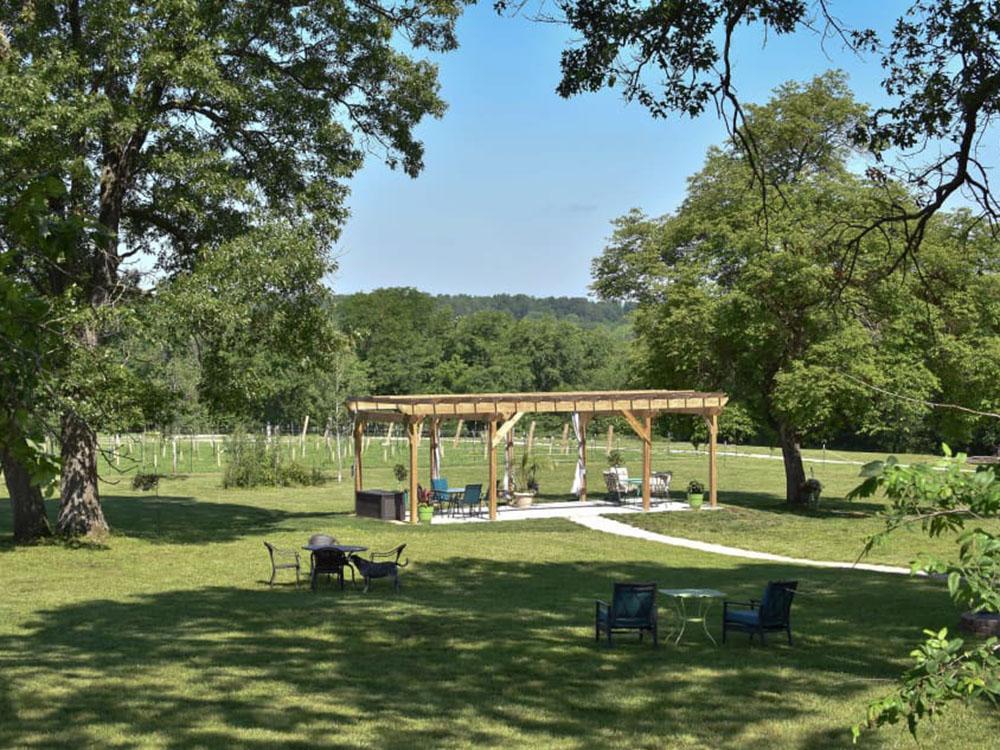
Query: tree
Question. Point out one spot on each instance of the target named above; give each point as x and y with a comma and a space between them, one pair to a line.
174, 126
942, 499
260, 321
398, 334
941, 73
782, 319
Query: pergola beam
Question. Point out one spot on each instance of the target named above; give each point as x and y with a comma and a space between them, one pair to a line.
505, 428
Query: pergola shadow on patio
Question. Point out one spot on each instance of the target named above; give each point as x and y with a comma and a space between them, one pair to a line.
501, 411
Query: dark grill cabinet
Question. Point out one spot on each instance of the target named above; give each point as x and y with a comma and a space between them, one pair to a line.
382, 504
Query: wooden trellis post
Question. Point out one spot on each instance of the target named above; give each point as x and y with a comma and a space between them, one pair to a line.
490, 444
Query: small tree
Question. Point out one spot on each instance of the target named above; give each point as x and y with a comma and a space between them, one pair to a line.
942, 498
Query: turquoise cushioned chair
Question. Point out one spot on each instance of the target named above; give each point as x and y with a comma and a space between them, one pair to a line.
772, 613
633, 607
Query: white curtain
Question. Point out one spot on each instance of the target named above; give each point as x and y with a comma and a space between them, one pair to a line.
508, 463
436, 452
580, 465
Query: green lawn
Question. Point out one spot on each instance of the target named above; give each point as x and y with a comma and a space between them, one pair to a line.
168, 637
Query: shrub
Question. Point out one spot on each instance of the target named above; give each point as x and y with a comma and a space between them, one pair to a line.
615, 458
252, 462
146, 482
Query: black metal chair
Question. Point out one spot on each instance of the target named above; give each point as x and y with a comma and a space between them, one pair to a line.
283, 559
387, 568
329, 562
633, 607
772, 613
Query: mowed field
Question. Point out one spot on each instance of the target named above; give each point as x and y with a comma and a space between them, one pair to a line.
168, 636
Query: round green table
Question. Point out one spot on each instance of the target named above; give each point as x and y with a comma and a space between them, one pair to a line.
701, 599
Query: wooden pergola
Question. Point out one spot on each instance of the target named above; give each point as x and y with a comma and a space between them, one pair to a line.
501, 411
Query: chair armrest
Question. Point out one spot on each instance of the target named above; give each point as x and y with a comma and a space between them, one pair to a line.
601, 603
747, 605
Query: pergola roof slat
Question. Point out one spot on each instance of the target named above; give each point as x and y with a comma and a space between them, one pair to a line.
473, 406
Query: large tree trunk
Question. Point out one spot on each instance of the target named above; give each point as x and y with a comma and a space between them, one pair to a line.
795, 474
30, 520
80, 511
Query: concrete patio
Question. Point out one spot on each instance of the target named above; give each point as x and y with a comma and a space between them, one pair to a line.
571, 509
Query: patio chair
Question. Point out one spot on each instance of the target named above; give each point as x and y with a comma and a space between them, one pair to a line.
388, 567
659, 483
283, 559
771, 613
633, 607
439, 493
618, 485
471, 498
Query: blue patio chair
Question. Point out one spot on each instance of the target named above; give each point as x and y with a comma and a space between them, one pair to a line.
772, 613
439, 493
471, 500
633, 607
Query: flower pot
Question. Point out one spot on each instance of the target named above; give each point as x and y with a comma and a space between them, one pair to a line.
696, 500
425, 513
523, 499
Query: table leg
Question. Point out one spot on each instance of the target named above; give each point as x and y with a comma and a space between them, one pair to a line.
703, 612
682, 614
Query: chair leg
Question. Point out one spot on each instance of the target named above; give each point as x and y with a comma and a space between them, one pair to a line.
296, 577
789, 630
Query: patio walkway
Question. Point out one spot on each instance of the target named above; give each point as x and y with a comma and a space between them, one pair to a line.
598, 516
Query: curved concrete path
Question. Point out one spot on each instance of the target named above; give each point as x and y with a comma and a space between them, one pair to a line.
610, 526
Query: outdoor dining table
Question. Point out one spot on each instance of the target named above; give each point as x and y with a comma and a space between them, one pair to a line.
328, 559
703, 597
455, 495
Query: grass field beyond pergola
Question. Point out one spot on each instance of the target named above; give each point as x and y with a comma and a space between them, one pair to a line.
501, 411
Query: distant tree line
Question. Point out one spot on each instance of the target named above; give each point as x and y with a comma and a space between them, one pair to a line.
412, 342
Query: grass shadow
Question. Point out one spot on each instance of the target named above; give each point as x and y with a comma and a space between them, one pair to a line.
472, 652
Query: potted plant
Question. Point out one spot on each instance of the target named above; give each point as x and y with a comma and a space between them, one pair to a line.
425, 508
696, 494
526, 481
810, 492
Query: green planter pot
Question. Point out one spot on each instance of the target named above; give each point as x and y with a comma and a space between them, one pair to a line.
696, 501
425, 513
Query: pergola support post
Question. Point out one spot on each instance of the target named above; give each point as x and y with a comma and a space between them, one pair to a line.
644, 430
647, 461
492, 453
413, 427
713, 465
359, 438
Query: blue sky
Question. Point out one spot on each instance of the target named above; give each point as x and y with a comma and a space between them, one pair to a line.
520, 186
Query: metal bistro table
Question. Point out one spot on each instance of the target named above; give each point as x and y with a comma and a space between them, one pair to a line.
704, 598
330, 559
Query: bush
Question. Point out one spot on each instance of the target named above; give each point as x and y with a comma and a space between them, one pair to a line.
252, 462
615, 458
146, 482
